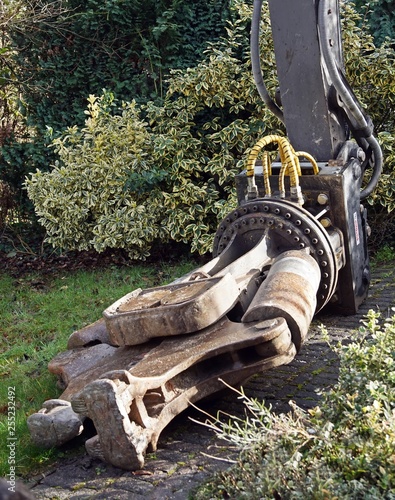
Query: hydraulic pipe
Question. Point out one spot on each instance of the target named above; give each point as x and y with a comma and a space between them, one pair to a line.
350, 103
256, 64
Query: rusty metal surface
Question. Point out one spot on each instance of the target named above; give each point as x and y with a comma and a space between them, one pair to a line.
170, 310
289, 291
157, 350
131, 408
160, 349
134, 392
183, 459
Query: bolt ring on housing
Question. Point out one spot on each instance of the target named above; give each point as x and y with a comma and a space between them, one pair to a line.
289, 227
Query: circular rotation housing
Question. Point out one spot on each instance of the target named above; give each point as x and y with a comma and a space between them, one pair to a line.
285, 226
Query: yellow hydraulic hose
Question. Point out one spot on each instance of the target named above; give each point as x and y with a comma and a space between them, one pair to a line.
256, 150
310, 159
251, 160
289, 165
267, 172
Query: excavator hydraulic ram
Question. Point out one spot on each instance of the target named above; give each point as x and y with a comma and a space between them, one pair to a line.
297, 242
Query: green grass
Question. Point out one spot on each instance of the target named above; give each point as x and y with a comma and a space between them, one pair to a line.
383, 255
38, 314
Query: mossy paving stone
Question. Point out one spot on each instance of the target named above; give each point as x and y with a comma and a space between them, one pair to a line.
181, 463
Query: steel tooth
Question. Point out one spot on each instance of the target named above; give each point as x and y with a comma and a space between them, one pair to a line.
122, 442
55, 424
69, 364
96, 333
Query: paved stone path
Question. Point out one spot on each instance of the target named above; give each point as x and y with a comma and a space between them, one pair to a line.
181, 462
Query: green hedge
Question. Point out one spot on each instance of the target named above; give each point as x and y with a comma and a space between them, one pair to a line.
59, 52
139, 174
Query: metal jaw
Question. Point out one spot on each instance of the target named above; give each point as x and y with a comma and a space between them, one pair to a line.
133, 393
130, 408
157, 350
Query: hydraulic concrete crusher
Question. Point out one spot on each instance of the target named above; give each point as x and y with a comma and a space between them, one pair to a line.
296, 243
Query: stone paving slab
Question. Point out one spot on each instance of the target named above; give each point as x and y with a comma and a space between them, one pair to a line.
182, 461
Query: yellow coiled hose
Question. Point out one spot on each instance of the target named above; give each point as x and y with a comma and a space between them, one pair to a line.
289, 166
